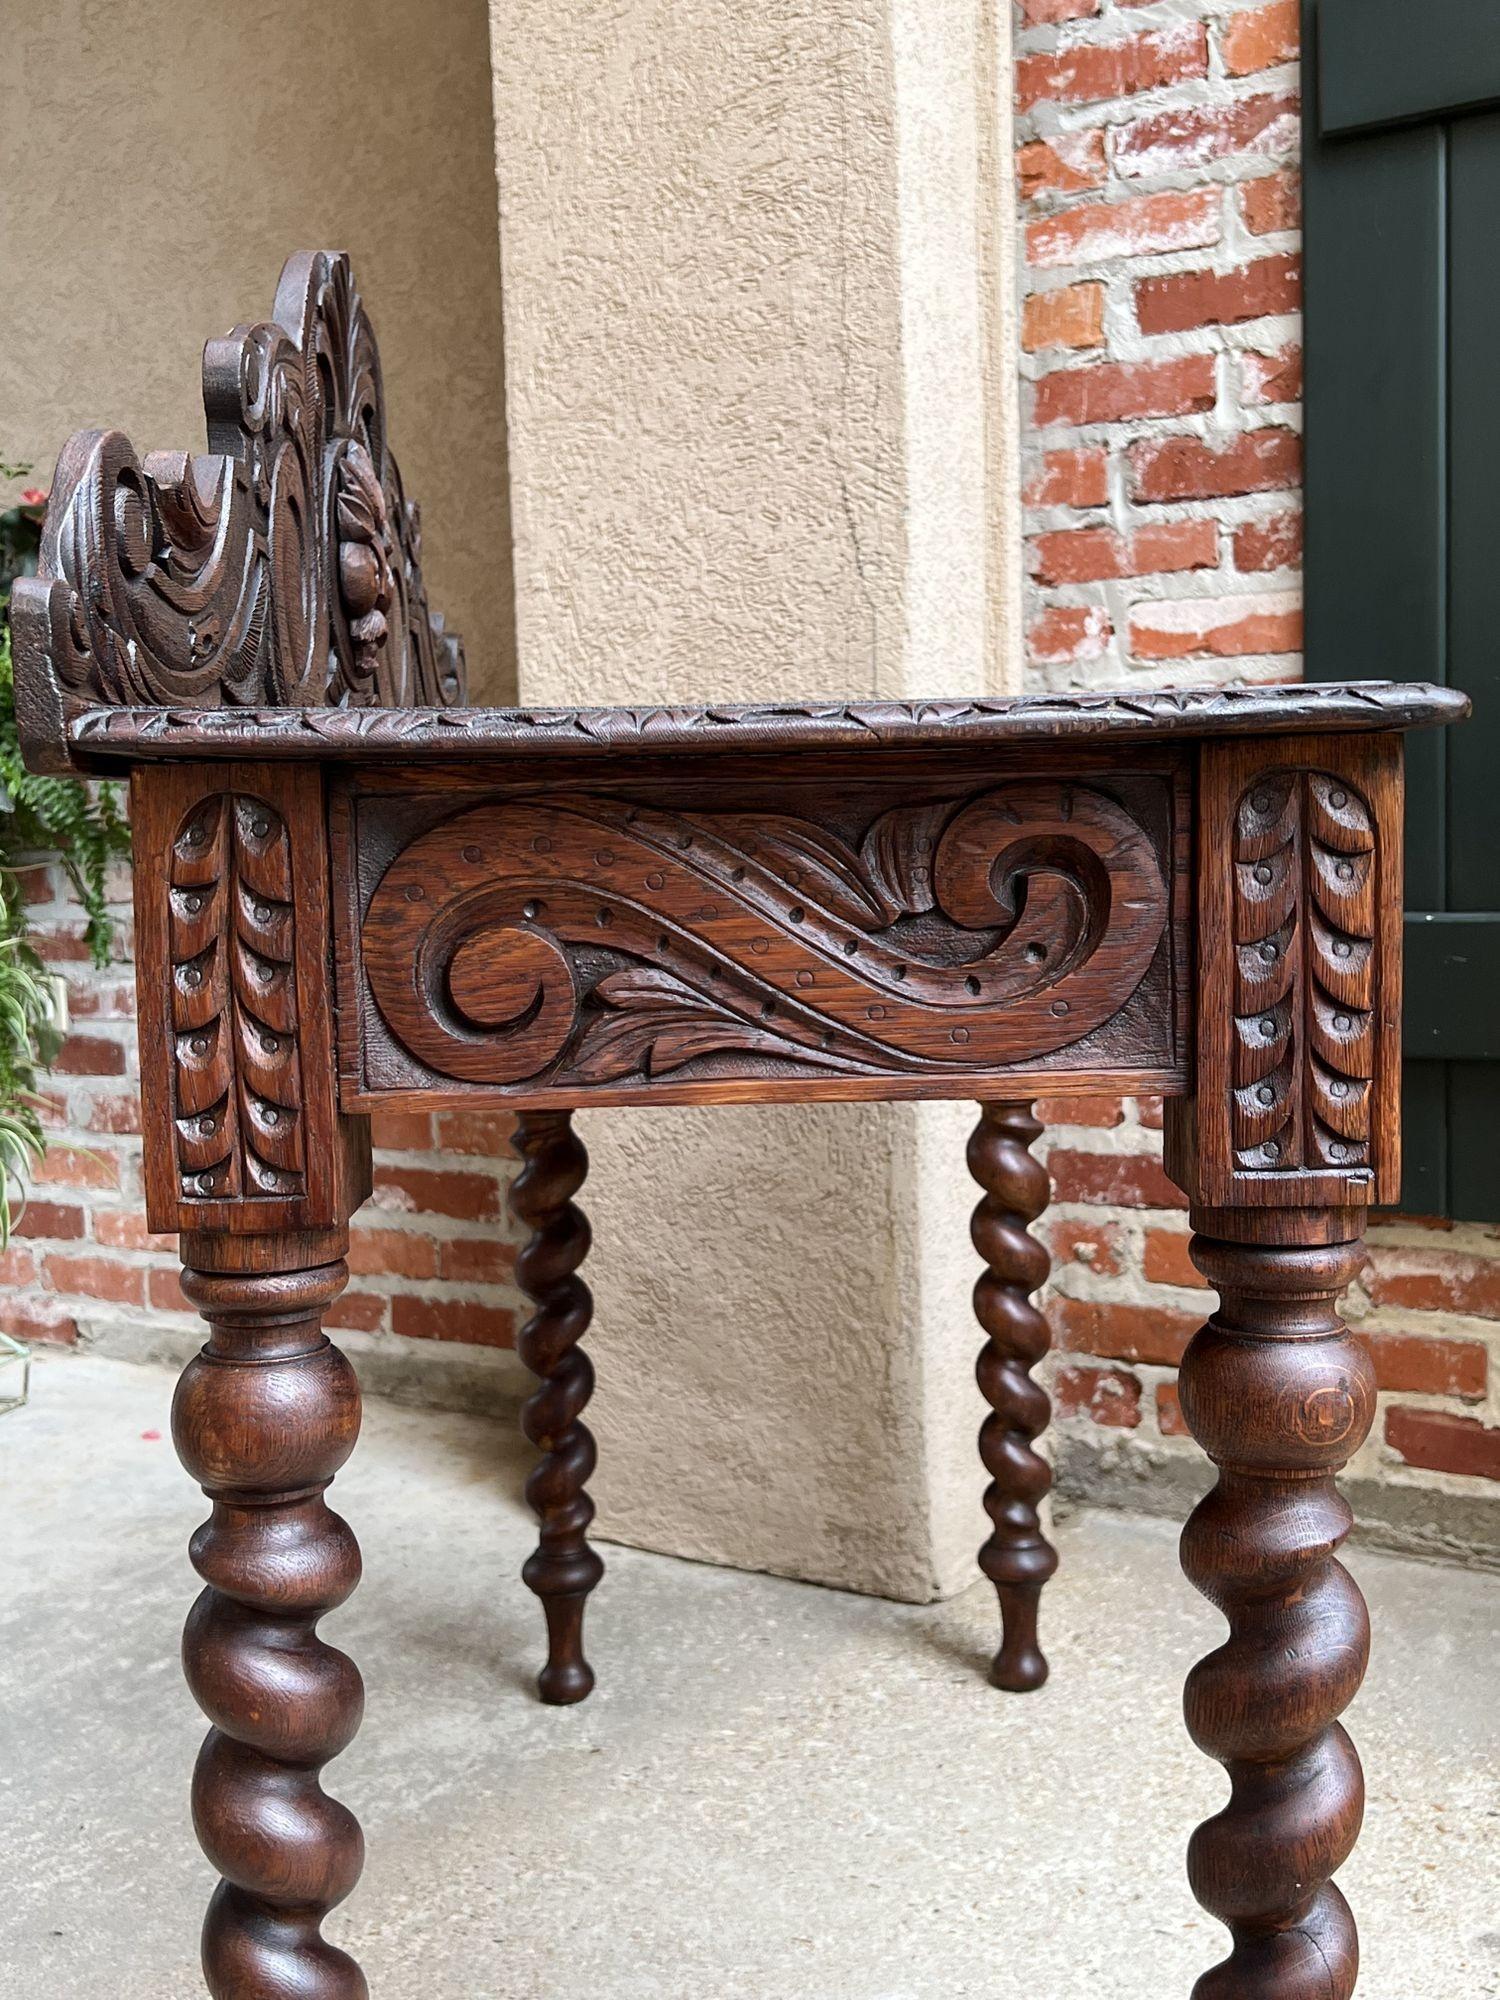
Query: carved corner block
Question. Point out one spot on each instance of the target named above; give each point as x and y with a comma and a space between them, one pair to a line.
242, 1130
1296, 1099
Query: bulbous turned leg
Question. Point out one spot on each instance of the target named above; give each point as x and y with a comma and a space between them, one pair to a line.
564, 1568
263, 1418
1280, 1396
1017, 1558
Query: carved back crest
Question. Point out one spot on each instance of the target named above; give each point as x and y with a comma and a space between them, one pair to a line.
281, 568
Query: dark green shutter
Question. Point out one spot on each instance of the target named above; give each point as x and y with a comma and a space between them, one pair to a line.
1402, 166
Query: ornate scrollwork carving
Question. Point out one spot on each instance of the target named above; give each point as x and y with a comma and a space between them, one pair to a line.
237, 1067
281, 567
597, 940
1304, 930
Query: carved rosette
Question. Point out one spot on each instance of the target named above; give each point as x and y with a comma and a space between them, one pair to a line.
283, 566
1304, 939
596, 940
236, 1073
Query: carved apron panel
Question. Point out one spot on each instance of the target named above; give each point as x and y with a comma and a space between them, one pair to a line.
592, 941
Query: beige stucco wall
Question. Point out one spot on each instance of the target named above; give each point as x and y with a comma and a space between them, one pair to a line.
759, 389
158, 161
741, 245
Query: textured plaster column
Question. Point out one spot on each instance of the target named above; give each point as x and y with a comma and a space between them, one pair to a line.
758, 341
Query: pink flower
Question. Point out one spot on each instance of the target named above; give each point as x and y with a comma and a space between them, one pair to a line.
33, 496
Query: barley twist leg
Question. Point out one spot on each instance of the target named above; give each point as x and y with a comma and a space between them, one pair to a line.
1017, 1558
263, 1419
565, 1567
1279, 1395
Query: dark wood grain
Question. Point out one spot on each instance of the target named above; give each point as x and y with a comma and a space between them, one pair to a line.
345, 902
954, 934
797, 930
1297, 1096
1290, 1131
565, 1567
248, 1155
242, 1128
1017, 1558
263, 1419
107, 734
1280, 1396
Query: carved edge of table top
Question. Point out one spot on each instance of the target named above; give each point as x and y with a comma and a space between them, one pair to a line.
106, 735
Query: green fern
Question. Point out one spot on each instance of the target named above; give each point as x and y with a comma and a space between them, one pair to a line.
83, 827
29, 1038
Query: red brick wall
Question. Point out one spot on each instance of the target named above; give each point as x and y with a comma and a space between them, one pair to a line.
1157, 168
431, 1256
1158, 171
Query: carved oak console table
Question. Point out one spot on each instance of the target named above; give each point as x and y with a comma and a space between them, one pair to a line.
353, 892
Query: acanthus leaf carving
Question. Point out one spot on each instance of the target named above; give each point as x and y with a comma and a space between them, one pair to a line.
1304, 928
897, 855
236, 1073
591, 938
366, 570
806, 858
655, 1024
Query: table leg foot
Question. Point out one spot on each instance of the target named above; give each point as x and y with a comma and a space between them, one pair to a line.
1017, 1558
565, 1567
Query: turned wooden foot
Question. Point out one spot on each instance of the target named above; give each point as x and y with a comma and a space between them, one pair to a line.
263, 1419
1017, 1558
1279, 1396
565, 1567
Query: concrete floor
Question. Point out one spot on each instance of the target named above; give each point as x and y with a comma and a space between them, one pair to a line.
777, 1792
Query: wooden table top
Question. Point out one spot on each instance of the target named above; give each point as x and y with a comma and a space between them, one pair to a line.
104, 735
